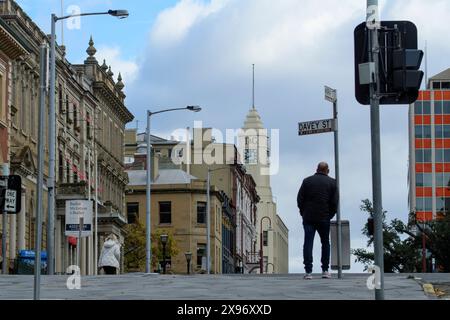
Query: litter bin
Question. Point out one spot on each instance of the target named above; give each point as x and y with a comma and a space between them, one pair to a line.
26, 261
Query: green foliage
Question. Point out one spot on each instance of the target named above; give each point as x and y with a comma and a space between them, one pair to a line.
400, 255
135, 246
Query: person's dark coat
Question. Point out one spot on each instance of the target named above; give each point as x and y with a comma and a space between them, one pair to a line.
318, 198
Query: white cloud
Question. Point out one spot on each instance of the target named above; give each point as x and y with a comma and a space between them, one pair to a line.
174, 23
113, 57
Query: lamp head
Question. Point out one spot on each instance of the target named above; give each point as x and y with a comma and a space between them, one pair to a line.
194, 108
188, 256
121, 14
164, 238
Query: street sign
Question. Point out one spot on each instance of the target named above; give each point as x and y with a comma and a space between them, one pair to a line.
330, 94
10, 201
76, 209
10, 194
317, 126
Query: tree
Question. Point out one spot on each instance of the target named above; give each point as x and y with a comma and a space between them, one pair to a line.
157, 248
135, 247
437, 237
134, 251
400, 255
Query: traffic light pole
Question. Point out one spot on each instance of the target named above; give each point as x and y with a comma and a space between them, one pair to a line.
374, 50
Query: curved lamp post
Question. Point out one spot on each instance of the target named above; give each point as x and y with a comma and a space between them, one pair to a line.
149, 180
261, 263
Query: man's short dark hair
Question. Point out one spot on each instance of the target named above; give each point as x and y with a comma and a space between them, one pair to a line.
323, 168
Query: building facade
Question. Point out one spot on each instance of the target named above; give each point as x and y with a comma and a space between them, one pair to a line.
178, 206
429, 156
11, 48
91, 118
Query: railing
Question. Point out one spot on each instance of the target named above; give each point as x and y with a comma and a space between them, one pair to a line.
252, 258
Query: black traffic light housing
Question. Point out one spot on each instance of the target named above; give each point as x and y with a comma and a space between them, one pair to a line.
399, 74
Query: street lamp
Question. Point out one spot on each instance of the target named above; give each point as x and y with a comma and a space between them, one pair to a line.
149, 180
261, 263
188, 260
208, 212
164, 238
52, 128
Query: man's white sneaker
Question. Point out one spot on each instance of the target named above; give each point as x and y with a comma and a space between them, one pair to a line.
326, 275
308, 276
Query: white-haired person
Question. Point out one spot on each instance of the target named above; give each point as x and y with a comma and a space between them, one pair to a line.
109, 259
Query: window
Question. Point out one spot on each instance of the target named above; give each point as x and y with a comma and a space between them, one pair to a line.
68, 172
165, 212
446, 107
445, 85
88, 125
438, 107
67, 109
265, 238
424, 204
423, 179
442, 131
201, 212
422, 107
75, 116
60, 167
201, 256
442, 155
423, 155
132, 211
75, 174
60, 100
423, 132
436, 85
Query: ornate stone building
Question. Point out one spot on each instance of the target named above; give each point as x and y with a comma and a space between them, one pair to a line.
91, 118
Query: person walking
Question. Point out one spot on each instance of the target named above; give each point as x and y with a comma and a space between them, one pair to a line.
317, 201
110, 255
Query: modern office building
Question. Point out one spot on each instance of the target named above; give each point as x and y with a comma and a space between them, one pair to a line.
429, 169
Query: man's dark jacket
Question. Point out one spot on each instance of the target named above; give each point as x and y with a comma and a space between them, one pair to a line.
318, 198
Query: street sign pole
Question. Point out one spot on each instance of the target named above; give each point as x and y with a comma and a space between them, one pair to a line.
331, 95
5, 229
373, 24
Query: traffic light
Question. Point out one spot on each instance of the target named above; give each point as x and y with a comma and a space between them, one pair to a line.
406, 64
399, 63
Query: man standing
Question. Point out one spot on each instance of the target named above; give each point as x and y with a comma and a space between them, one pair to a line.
317, 201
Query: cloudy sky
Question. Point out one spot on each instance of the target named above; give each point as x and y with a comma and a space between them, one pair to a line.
175, 53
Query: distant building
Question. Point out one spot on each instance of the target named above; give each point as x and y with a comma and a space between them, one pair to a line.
178, 206
429, 156
275, 243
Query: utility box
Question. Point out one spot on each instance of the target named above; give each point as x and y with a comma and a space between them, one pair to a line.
366, 73
345, 242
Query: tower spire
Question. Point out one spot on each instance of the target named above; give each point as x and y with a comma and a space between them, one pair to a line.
253, 91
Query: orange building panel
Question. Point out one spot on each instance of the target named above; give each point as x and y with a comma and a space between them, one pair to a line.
422, 119
423, 167
424, 216
424, 192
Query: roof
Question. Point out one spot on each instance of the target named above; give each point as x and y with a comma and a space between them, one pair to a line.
165, 176
444, 75
142, 137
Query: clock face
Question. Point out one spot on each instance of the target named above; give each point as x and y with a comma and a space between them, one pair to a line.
251, 156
